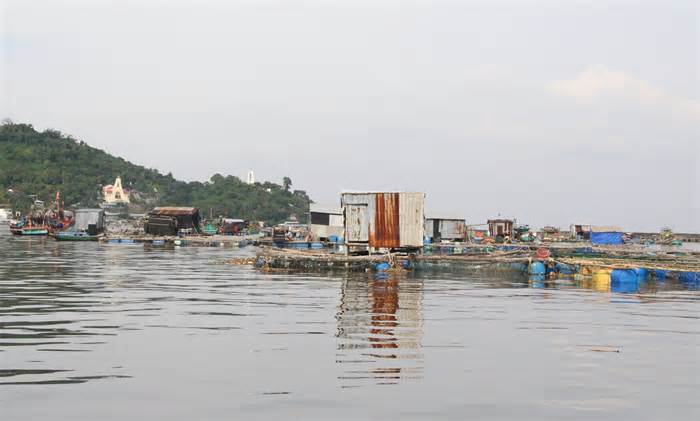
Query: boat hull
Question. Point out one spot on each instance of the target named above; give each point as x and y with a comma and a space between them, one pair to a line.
30, 231
71, 236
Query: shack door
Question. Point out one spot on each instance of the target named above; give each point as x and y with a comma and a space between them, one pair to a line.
356, 225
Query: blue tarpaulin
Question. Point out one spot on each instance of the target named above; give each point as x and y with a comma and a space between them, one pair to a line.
606, 237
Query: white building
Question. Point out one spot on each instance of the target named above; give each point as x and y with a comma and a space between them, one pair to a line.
115, 193
251, 177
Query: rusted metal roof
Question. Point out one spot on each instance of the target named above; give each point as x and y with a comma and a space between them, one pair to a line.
174, 211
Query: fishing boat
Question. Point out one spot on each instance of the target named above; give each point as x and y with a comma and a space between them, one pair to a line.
70, 235
88, 226
23, 228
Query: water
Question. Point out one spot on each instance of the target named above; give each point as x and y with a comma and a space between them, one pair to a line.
91, 331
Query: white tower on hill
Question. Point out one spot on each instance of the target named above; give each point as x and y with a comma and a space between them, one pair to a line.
251, 177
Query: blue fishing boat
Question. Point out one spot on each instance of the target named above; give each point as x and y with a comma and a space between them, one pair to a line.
26, 227
75, 236
88, 226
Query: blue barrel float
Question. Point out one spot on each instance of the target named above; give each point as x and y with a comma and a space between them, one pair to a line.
381, 267
565, 269
690, 279
537, 268
536, 281
627, 280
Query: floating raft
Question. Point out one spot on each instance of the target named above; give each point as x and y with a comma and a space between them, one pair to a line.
190, 240
523, 259
304, 260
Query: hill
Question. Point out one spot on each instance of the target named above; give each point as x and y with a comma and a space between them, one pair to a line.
41, 163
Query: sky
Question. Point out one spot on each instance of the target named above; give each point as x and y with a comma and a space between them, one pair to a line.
549, 111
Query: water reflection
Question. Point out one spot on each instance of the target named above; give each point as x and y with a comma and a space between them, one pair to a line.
380, 327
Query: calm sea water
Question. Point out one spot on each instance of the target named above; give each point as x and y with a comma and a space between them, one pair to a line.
101, 332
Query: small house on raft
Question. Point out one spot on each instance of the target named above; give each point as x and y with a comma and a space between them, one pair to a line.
383, 221
91, 221
606, 235
171, 220
501, 227
580, 231
326, 223
451, 229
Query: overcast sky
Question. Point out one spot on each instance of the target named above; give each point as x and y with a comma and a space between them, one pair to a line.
548, 111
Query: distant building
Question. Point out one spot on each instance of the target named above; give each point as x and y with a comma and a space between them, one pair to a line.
251, 177
445, 229
170, 220
115, 193
325, 222
580, 231
501, 227
607, 235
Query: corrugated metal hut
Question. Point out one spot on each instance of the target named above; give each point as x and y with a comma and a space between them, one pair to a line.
170, 220
325, 222
580, 231
501, 227
606, 235
383, 220
445, 228
89, 220
233, 226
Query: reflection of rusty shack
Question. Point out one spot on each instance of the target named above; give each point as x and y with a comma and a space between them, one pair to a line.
383, 220
380, 328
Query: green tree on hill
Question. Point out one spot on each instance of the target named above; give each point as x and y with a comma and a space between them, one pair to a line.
41, 163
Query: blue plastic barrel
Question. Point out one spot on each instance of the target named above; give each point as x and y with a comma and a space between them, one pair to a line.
382, 266
521, 267
565, 269
623, 276
624, 280
641, 274
691, 279
537, 268
536, 281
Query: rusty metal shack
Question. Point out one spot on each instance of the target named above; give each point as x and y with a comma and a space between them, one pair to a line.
170, 220
501, 227
376, 221
439, 229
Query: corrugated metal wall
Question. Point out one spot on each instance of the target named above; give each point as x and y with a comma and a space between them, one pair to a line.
411, 219
86, 217
384, 220
452, 229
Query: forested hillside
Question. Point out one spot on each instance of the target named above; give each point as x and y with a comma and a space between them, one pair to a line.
41, 163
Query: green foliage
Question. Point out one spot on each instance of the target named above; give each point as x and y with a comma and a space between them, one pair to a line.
41, 163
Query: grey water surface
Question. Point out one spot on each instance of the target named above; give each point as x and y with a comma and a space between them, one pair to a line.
114, 332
